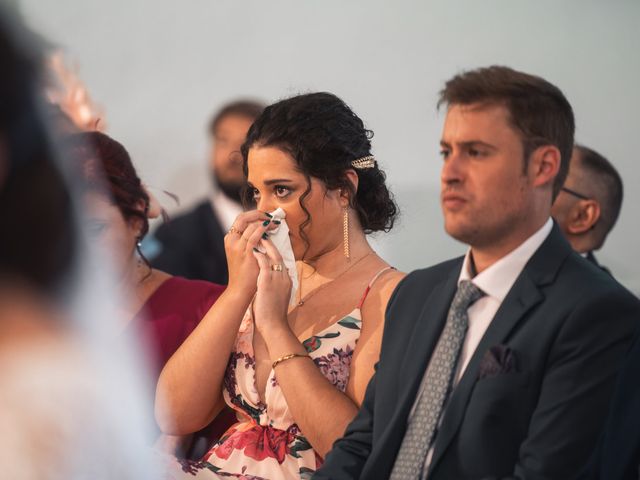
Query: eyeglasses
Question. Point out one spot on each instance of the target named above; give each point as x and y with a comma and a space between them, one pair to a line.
574, 193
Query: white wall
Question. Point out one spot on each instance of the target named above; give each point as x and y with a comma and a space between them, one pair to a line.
160, 68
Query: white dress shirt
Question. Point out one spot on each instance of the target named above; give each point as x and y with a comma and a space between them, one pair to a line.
226, 210
495, 282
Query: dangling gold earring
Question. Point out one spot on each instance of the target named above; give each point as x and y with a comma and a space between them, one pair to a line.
345, 233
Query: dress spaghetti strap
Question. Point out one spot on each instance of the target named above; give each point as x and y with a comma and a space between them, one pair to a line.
370, 285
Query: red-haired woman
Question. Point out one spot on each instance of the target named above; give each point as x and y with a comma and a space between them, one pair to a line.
159, 308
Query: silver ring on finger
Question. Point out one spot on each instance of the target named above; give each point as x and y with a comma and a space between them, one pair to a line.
277, 267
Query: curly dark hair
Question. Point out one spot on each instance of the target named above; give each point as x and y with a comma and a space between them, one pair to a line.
323, 135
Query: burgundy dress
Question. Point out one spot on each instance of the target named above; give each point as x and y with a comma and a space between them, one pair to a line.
167, 318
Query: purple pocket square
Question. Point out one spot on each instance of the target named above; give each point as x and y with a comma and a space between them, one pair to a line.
498, 360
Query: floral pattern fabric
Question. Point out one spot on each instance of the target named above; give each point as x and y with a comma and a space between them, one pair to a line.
266, 444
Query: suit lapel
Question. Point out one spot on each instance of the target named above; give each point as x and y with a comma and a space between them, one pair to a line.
523, 296
426, 333
413, 358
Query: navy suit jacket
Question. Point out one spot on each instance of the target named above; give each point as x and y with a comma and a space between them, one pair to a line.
192, 246
618, 454
567, 323
592, 258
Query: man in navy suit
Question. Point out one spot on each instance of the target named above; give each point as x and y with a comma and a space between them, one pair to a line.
499, 364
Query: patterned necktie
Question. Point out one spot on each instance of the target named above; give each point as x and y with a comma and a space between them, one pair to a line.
435, 386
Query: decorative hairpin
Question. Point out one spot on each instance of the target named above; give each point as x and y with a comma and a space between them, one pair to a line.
365, 162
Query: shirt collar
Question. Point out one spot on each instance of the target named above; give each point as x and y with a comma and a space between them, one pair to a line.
497, 280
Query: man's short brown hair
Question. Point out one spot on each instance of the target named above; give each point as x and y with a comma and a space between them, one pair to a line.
537, 109
241, 108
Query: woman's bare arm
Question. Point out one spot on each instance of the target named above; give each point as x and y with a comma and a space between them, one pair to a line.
189, 391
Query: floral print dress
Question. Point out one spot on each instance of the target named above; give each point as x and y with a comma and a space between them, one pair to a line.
266, 443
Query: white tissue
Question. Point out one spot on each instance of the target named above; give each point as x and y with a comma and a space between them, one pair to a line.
279, 236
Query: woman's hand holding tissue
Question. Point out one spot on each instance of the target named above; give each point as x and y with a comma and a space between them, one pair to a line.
245, 235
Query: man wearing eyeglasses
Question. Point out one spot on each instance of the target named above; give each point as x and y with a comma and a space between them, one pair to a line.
589, 202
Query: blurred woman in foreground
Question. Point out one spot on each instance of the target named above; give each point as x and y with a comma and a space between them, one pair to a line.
64, 413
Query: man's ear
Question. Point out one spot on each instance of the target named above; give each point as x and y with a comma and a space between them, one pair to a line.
544, 165
583, 216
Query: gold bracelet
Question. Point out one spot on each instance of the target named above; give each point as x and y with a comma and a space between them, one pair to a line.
289, 356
